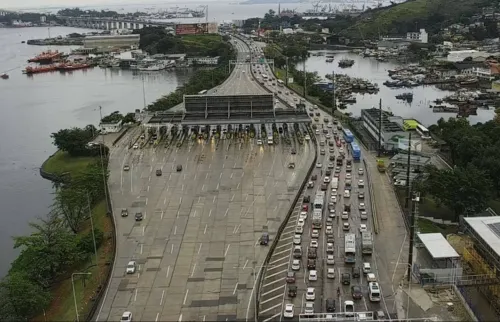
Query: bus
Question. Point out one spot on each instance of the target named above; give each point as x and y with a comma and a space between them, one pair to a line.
356, 152
319, 200
348, 136
424, 132
280, 83
350, 248
203, 92
374, 292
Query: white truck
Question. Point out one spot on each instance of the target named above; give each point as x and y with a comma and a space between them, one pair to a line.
317, 218
270, 140
335, 183
366, 243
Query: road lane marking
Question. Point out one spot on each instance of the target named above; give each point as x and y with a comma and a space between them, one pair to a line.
172, 249
287, 233
244, 266
194, 213
210, 213
165, 200
274, 316
236, 228
185, 297
280, 272
227, 249
194, 268
220, 176
273, 290
149, 179
280, 259
162, 295
231, 175
206, 176
272, 298
178, 213
225, 214
148, 188
175, 230
205, 230
213, 201
215, 188
180, 318
235, 288
141, 247
199, 248
182, 188
180, 200
146, 201
232, 198
135, 295
238, 186
168, 271
276, 266
274, 282
161, 217
143, 230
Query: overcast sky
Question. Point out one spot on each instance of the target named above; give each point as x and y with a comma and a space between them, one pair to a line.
7, 4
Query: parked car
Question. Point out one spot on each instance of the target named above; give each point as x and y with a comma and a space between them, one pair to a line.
124, 212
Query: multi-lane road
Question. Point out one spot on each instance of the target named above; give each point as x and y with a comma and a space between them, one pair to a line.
197, 250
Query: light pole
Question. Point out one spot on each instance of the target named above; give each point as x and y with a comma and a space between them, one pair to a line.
102, 164
74, 293
93, 237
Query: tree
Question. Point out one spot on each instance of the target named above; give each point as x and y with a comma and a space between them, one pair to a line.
91, 180
21, 298
74, 140
71, 203
47, 251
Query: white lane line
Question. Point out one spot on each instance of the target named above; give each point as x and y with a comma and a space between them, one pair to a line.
227, 249
168, 271
205, 230
141, 247
157, 316
273, 282
272, 298
185, 297
213, 201
210, 213
281, 246
244, 266
143, 229
148, 188
280, 259
220, 176
165, 200
282, 252
172, 249
218, 185
180, 318
162, 295
199, 198
161, 217
175, 230
236, 228
135, 295
276, 266
199, 249
273, 290
287, 233
194, 213
287, 238
274, 316
206, 176
280, 272
238, 186
146, 201
194, 268
235, 288
225, 214
232, 198
149, 178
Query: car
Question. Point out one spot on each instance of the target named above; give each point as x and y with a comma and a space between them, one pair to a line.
131, 267
328, 136
315, 233
333, 198
361, 206
330, 273
328, 172
126, 167
330, 165
355, 272
361, 171
297, 252
311, 264
288, 312
345, 215
331, 206
322, 152
309, 308
331, 158
329, 125
303, 215
329, 221
348, 169
291, 165
334, 191
330, 305
326, 180
336, 175
305, 207
346, 279
297, 239
348, 176
314, 244
299, 230
330, 248
316, 119
319, 165
324, 186
179, 167
307, 199
332, 213
310, 294
307, 137
264, 239
362, 228
310, 185
136, 146
361, 183
294, 151
158, 172
346, 226
296, 265
329, 230
259, 142
363, 215
356, 292
312, 253
301, 222
126, 317
361, 195
138, 216
367, 268
290, 277
330, 260
337, 169
370, 277
314, 177
331, 150
313, 275
349, 309
124, 212
330, 239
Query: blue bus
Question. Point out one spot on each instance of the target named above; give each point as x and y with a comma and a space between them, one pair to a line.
348, 136
356, 152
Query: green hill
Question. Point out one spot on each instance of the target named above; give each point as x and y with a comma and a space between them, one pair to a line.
414, 14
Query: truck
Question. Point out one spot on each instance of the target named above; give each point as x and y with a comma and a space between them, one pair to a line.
380, 165
317, 218
335, 183
350, 248
319, 200
366, 243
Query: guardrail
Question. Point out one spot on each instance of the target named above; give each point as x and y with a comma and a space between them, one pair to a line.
373, 203
281, 228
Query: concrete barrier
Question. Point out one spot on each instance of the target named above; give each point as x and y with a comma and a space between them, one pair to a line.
373, 203
282, 227
120, 136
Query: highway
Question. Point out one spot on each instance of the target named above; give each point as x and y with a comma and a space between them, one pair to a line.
388, 264
197, 249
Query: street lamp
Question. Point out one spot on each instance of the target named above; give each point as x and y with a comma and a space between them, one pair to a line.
74, 293
93, 236
102, 164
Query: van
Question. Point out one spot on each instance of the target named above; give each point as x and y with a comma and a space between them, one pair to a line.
264, 239
374, 292
349, 308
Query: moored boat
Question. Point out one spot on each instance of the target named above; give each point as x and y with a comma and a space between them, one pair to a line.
45, 57
4, 76
38, 70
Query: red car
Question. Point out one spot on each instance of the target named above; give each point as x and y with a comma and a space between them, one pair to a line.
338, 143
305, 207
290, 277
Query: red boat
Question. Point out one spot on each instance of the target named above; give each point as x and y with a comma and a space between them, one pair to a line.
46, 57
72, 66
38, 70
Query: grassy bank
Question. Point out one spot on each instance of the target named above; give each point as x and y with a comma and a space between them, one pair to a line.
62, 306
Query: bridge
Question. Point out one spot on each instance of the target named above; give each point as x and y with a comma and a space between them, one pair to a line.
112, 23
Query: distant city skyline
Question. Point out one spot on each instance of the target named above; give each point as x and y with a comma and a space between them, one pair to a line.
38, 4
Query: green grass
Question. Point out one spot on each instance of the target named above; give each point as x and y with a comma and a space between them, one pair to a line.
61, 162
62, 307
201, 38
495, 205
426, 226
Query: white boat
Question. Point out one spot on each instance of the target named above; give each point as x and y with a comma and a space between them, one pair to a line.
152, 67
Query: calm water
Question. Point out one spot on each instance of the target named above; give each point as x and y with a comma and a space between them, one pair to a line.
375, 71
34, 107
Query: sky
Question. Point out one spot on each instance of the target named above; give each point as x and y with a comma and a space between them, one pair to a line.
14, 4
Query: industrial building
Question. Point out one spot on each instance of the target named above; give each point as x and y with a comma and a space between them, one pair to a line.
391, 130
112, 41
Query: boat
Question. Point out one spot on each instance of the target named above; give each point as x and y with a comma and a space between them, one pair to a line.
405, 97
329, 60
46, 57
152, 67
72, 66
346, 63
4, 76
38, 70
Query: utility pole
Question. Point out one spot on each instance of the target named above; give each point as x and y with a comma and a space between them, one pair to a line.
286, 79
334, 101
415, 200
379, 154
408, 164
102, 165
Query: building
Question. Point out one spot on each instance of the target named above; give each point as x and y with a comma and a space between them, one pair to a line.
421, 36
392, 127
110, 127
203, 60
112, 41
460, 55
43, 19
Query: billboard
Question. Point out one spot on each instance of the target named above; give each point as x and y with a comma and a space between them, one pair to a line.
196, 28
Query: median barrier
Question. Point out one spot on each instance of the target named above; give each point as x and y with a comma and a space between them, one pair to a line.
373, 204
281, 228
120, 136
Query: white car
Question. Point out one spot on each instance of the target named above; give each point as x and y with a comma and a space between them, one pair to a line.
126, 317
329, 230
314, 243
288, 313
259, 142
346, 226
333, 198
307, 137
301, 222
328, 136
345, 215
363, 215
309, 308
370, 277
330, 248
297, 239
313, 275
326, 180
362, 228
334, 191
361, 171
361, 183
319, 165
330, 260
315, 233
348, 176
136, 146
299, 230
310, 294
330, 165
341, 150
131, 267
330, 273
303, 215
367, 268
332, 213
361, 206
296, 265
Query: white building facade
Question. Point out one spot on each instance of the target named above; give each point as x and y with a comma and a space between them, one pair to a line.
110, 127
